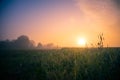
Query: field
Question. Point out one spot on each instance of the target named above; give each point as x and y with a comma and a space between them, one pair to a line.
60, 64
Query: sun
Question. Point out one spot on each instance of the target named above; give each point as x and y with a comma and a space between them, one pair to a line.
82, 41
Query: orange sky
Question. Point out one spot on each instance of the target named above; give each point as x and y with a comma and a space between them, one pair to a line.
62, 22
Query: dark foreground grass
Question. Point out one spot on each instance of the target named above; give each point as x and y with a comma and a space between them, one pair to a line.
63, 64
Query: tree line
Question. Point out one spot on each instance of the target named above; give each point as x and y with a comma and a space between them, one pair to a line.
23, 42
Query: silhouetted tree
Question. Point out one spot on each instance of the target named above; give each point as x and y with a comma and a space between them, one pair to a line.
21, 42
32, 44
5, 44
39, 45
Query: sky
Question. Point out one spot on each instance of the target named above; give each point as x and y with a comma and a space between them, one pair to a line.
62, 22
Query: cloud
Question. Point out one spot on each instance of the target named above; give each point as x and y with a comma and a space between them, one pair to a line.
101, 11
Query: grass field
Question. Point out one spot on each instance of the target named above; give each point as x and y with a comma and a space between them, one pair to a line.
60, 64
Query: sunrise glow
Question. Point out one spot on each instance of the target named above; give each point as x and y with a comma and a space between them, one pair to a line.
82, 42
61, 21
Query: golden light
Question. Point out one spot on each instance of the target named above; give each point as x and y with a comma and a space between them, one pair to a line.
82, 41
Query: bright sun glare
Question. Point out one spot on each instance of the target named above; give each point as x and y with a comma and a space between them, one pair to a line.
81, 42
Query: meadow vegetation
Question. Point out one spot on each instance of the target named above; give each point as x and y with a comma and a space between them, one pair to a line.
60, 64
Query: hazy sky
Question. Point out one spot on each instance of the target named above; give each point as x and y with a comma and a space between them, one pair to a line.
61, 22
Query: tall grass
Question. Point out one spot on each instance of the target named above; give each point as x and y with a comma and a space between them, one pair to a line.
63, 64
